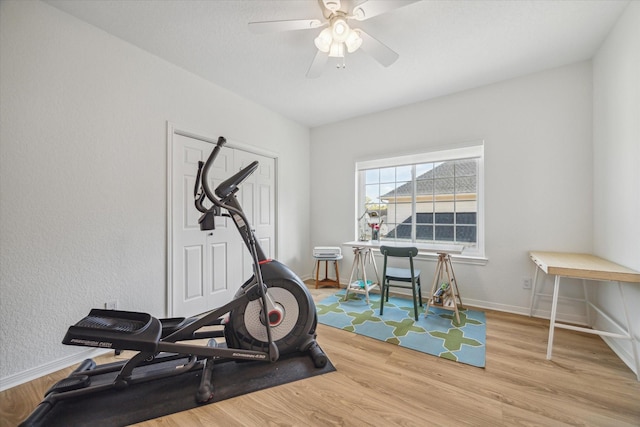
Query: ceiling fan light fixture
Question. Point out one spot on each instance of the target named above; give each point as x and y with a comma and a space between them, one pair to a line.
336, 50
323, 41
353, 41
340, 30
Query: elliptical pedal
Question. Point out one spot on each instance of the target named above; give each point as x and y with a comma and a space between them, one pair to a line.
115, 329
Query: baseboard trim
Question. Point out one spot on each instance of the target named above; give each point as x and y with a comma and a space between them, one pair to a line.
621, 352
48, 368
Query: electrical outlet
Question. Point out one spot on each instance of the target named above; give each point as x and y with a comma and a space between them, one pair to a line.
526, 283
111, 305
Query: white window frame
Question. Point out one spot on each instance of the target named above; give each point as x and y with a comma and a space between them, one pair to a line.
437, 154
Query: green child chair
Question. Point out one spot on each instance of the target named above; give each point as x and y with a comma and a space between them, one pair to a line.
403, 275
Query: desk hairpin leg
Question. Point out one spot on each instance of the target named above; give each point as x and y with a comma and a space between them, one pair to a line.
552, 321
586, 302
533, 289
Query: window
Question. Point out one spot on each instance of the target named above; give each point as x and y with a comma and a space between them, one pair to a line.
427, 198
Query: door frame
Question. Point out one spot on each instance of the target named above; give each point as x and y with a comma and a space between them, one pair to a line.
173, 129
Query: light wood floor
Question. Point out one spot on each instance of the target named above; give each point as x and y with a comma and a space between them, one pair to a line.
382, 384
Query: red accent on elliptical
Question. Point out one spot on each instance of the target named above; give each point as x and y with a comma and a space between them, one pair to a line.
264, 261
274, 317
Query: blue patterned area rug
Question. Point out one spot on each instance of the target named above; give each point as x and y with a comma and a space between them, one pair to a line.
438, 334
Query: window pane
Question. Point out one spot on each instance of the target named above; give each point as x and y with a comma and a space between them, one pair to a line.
466, 218
444, 186
424, 188
372, 193
403, 212
424, 218
388, 175
391, 232
404, 188
423, 171
444, 218
373, 209
387, 191
466, 167
403, 173
390, 217
424, 208
443, 169
444, 232
424, 233
465, 184
372, 176
403, 231
465, 233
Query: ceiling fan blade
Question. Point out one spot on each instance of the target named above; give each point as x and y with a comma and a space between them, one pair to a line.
370, 8
378, 50
277, 26
317, 65
331, 5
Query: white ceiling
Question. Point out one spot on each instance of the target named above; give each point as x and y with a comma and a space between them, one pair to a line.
444, 47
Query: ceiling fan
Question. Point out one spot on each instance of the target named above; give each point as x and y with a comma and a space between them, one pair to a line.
338, 36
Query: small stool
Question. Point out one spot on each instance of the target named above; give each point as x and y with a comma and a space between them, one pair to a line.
326, 281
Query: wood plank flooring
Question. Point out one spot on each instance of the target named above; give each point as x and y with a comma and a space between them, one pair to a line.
376, 383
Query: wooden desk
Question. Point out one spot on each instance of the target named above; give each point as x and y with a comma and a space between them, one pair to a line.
585, 267
363, 254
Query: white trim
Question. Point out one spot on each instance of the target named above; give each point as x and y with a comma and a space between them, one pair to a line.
467, 150
435, 154
171, 130
48, 368
621, 352
230, 143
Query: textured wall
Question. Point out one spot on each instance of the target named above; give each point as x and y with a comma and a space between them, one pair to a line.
83, 175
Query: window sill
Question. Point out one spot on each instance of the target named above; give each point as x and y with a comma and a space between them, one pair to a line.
458, 259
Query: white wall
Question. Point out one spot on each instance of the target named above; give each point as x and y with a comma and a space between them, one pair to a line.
538, 162
616, 165
83, 176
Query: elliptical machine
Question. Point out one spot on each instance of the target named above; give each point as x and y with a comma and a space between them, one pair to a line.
271, 314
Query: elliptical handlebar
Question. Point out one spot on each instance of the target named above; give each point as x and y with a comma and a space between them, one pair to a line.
224, 198
202, 179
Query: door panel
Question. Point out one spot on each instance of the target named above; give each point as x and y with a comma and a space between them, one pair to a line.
219, 262
193, 272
